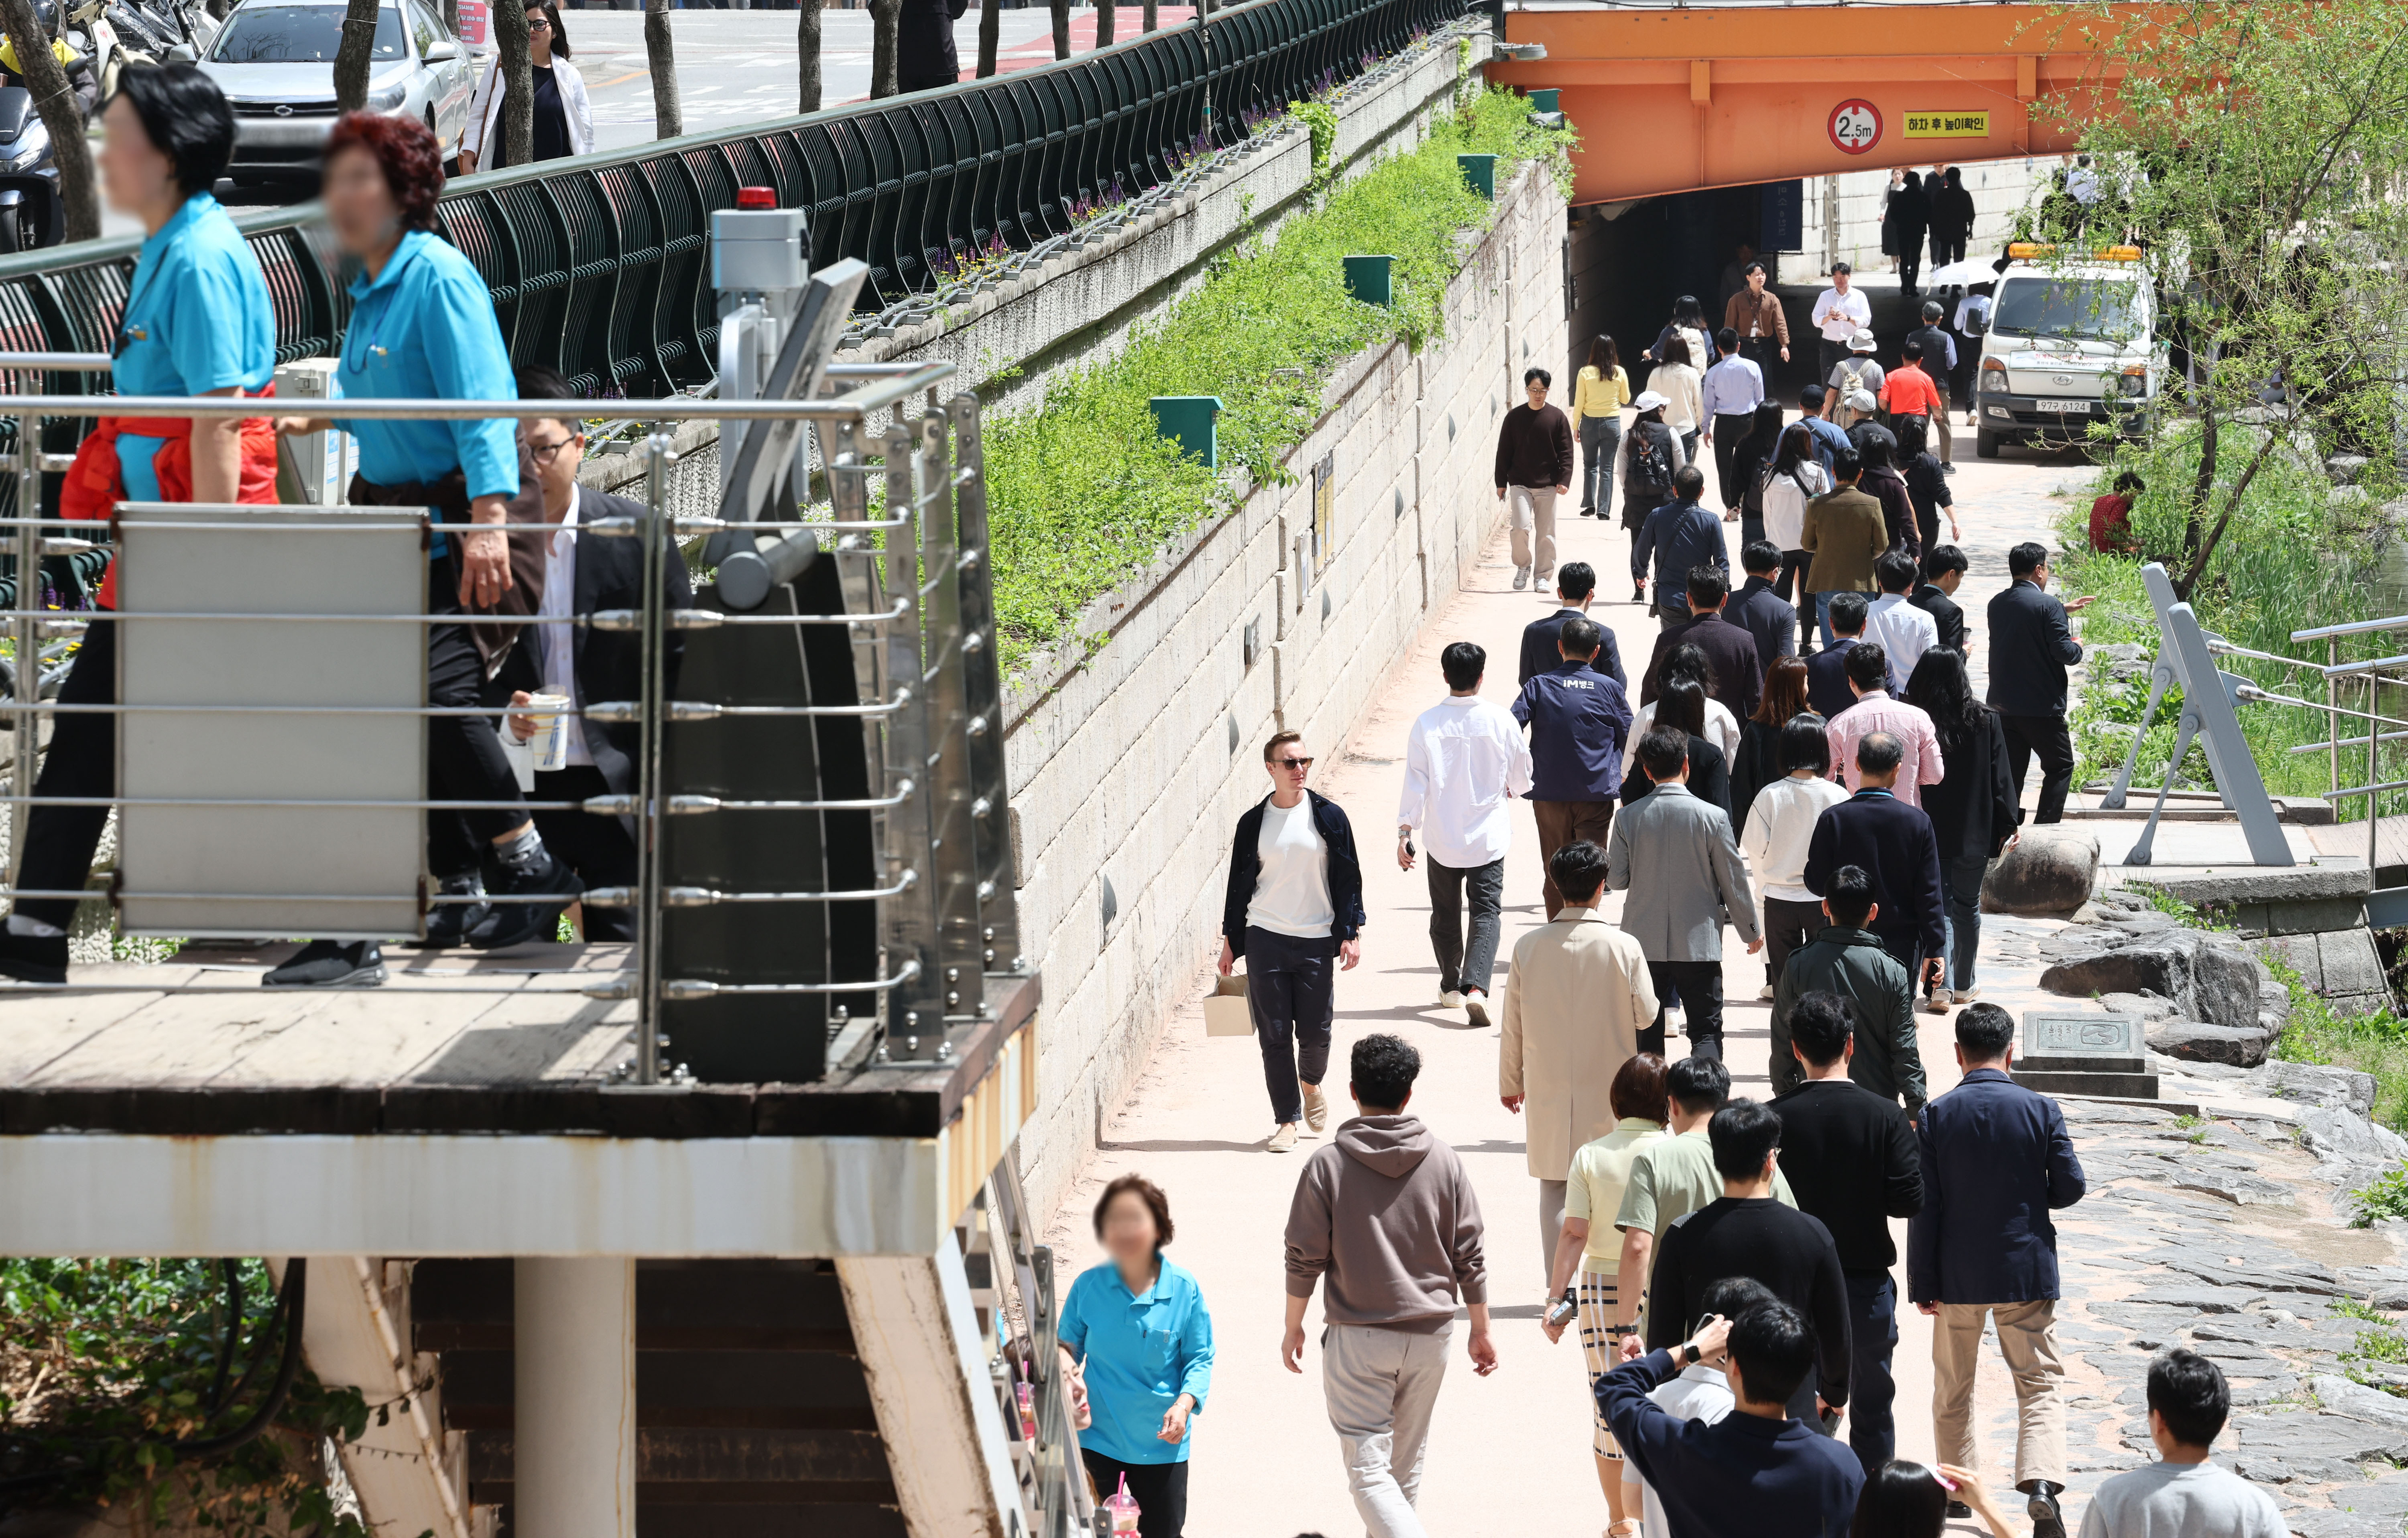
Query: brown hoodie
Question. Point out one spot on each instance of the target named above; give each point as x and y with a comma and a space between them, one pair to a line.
1386, 1208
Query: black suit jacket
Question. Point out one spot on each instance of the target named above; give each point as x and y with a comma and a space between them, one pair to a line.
1709, 776
1772, 623
1973, 808
1893, 843
1827, 678
1738, 677
2032, 645
1944, 614
608, 663
1541, 652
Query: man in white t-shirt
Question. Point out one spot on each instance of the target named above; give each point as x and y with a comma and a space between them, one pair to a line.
1839, 311
2184, 1495
1701, 1392
1465, 761
1294, 906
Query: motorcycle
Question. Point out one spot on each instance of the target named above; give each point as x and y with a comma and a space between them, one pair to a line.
31, 211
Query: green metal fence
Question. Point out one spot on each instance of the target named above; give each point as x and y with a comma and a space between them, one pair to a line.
599, 264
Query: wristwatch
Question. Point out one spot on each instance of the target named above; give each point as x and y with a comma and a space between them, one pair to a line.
1690, 1354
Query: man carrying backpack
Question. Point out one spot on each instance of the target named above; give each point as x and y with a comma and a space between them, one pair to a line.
1650, 455
1856, 372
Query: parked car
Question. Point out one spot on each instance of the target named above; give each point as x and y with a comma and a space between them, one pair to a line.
274, 61
2070, 340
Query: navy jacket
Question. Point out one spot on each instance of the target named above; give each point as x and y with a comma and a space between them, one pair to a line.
1579, 721
1829, 436
1541, 655
1246, 864
1997, 1160
2031, 646
1679, 535
1731, 652
1742, 1474
1773, 622
1827, 678
1896, 846
1943, 612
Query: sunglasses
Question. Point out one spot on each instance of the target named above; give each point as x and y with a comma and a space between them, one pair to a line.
1292, 762
539, 23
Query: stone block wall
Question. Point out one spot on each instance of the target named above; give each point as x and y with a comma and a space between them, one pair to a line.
1130, 766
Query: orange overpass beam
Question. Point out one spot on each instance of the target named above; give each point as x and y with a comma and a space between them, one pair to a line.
1775, 92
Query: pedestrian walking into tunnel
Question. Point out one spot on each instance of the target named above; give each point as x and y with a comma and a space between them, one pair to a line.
197, 321
1713, 732
1695, 881
1757, 452
1577, 998
1779, 828
1585, 1268
1541, 638
1943, 572
1927, 488
1910, 397
1731, 391
1754, 312
1137, 1341
1762, 612
2032, 645
1877, 450
1651, 459
422, 327
1972, 319
1891, 841
1580, 730
1293, 911
1733, 676
1844, 959
1844, 532
1679, 379
1936, 352
1598, 396
1796, 477
1465, 762
1901, 630
1997, 1162
1840, 311
1385, 1215
1678, 537
1534, 466
1814, 415
1826, 671
1857, 373
1973, 808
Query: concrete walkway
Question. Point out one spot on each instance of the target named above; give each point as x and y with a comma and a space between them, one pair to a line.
1513, 1446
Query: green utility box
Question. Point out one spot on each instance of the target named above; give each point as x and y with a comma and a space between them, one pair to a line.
1479, 171
1544, 101
1193, 422
1368, 278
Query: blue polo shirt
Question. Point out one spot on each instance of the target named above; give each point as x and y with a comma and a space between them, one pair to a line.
1580, 722
424, 330
1830, 438
197, 319
1140, 1355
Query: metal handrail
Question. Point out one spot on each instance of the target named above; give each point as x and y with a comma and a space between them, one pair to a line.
2355, 627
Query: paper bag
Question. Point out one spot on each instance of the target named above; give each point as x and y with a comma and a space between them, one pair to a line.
1226, 1011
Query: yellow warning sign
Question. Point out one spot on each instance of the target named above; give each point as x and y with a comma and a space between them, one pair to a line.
1948, 125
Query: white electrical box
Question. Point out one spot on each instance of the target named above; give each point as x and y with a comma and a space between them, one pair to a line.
322, 462
759, 250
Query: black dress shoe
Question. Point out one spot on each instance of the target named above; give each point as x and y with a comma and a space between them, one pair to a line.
330, 964
34, 958
448, 923
516, 923
2048, 1521
1960, 1512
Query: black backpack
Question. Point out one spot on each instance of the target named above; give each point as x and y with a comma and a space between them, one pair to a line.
1649, 474
1752, 499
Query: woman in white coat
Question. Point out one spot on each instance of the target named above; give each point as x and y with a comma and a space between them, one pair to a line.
564, 119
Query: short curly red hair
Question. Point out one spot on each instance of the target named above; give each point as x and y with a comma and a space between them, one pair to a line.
406, 151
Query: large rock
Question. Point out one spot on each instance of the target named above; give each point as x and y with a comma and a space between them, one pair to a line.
2196, 1042
2313, 1084
2049, 871
2208, 978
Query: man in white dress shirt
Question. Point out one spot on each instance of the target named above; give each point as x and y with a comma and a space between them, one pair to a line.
1465, 761
1902, 631
1839, 311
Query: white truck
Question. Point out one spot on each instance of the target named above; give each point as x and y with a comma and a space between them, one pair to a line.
2070, 341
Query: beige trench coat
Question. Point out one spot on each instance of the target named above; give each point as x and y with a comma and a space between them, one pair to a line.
1576, 998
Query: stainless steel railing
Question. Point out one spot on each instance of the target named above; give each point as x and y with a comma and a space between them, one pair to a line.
912, 701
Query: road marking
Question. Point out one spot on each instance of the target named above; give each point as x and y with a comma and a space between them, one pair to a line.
621, 80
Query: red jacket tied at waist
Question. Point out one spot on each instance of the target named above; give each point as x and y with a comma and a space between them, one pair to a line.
96, 482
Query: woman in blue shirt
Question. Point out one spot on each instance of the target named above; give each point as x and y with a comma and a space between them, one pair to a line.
422, 328
197, 321
1137, 1325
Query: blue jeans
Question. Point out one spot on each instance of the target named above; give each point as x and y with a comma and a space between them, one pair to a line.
1872, 1335
1823, 617
1961, 895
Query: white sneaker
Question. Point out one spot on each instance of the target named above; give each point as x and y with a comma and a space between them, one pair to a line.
1450, 1000
1936, 1003
1316, 1106
1478, 1011
1521, 578
1964, 996
1765, 992
1282, 1141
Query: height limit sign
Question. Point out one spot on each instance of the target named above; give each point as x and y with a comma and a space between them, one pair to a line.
1856, 126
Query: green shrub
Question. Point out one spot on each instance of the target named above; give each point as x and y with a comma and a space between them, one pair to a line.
1084, 494
2385, 1197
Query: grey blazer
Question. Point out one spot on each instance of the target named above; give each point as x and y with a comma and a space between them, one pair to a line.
1694, 879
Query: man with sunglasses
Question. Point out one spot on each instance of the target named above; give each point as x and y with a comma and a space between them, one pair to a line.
559, 657
1294, 904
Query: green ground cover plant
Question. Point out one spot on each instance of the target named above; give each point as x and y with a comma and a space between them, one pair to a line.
1083, 492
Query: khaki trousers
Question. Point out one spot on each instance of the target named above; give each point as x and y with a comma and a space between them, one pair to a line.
2027, 1340
1530, 513
1568, 822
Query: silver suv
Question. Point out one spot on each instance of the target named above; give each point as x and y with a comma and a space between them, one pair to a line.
274, 61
